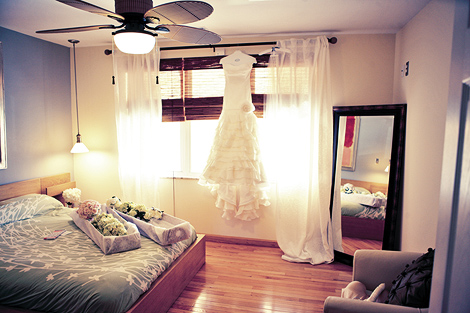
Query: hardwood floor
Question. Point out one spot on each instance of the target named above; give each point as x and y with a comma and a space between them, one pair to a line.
350, 245
244, 278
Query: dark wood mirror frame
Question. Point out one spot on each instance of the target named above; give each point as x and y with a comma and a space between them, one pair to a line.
3, 128
392, 227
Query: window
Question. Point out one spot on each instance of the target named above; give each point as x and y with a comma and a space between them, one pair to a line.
192, 92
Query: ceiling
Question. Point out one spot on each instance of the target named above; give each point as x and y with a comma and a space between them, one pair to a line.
231, 18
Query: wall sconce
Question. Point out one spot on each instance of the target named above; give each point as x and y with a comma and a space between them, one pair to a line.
79, 146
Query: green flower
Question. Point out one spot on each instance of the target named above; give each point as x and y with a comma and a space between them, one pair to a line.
140, 208
107, 225
132, 212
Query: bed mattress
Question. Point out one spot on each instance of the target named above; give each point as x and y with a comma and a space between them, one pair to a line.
70, 274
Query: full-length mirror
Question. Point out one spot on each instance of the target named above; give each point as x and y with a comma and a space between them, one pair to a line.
368, 177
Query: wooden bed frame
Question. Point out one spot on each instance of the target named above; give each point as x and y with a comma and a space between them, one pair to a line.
163, 291
363, 228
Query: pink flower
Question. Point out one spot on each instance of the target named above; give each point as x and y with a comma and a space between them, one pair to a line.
88, 209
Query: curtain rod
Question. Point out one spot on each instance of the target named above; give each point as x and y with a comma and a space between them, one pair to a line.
331, 40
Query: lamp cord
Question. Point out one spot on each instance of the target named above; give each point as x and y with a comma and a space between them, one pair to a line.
76, 95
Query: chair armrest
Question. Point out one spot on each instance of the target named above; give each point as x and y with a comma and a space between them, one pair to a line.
345, 305
373, 267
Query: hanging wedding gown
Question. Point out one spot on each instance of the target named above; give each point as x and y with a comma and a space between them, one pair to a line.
234, 170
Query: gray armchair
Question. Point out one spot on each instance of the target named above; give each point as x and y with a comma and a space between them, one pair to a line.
373, 267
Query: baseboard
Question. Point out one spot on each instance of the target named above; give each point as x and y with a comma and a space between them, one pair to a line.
242, 241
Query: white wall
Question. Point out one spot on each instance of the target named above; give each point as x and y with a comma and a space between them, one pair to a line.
362, 69
426, 43
96, 172
362, 73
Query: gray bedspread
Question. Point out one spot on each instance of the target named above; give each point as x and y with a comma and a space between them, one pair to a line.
353, 209
70, 274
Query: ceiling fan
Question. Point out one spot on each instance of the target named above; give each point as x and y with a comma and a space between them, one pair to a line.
140, 21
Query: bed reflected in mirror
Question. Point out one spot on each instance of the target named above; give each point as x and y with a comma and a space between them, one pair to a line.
367, 180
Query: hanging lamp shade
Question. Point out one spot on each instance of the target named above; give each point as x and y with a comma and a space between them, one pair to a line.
387, 169
134, 42
79, 146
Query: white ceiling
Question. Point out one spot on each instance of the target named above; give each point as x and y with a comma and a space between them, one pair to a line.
231, 18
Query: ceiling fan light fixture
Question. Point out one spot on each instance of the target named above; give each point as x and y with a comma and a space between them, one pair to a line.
134, 42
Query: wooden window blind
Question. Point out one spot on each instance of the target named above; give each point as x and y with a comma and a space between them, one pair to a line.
193, 88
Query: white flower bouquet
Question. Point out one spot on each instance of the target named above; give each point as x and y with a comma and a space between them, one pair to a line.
71, 195
135, 210
112, 233
108, 225
152, 223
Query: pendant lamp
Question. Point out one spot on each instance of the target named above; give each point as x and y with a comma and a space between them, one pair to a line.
387, 169
79, 146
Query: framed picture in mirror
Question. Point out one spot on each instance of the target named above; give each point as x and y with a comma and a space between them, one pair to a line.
350, 143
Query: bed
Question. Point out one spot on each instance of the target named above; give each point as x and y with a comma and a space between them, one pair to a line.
363, 221
39, 275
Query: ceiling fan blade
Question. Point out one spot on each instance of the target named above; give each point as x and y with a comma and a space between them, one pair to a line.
179, 12
190, 34
74, 29
85, 6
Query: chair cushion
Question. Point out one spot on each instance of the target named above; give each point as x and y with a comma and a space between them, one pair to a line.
413, 285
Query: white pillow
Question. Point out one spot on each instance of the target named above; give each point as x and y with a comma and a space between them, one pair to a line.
374, 296
354, 290
362, 191
357, 290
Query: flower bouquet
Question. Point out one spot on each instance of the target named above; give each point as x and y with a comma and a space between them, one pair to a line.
71, 196
138, 211
108, 225
89, 208
152, 223
111, 233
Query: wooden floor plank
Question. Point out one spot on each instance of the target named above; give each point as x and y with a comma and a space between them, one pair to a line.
244, 278
350, 245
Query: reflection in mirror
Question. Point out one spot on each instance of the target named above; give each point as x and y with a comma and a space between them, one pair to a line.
367, 179
366, 152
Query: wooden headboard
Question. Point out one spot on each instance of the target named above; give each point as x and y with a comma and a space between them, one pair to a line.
372, 187
50, 185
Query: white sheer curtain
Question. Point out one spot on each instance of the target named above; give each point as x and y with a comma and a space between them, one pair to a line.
298, 141
138, 124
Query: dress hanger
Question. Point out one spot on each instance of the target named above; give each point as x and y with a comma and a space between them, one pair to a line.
238, 57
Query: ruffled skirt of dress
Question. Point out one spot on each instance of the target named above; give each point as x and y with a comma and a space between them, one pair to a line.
234, 170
